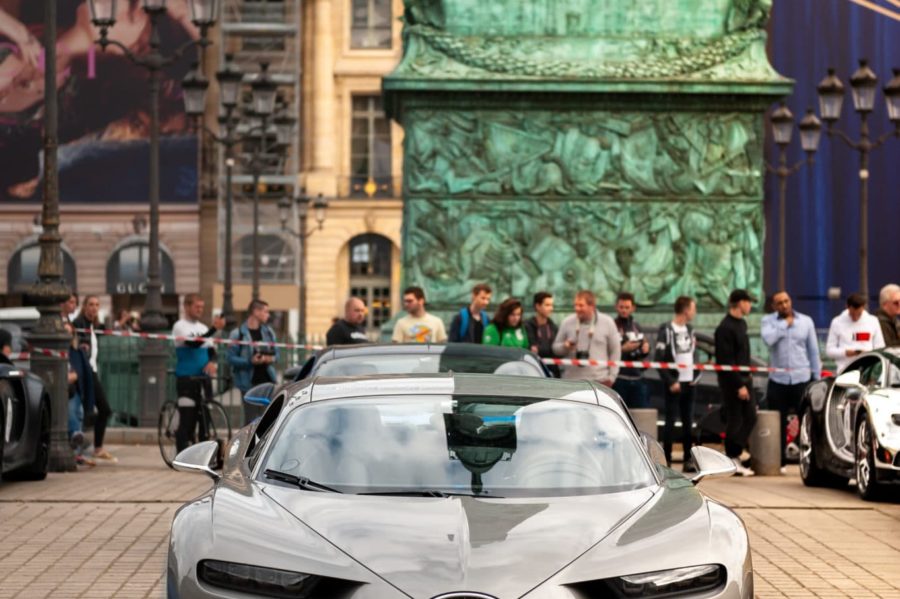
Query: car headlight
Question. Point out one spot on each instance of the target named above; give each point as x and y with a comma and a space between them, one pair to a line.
678, 582
256, 580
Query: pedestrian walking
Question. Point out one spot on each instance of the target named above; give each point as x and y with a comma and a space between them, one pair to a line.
506, 328
793, 345
675, 343
469, 324
88, 322
635, 347
195, 365
588, 334
889, 302
68, 308
81, 397
541, 330
418, 326
738, 405
253, 365
350, 329
853, 332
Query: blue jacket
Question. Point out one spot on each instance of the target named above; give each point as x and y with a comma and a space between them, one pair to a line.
239, 356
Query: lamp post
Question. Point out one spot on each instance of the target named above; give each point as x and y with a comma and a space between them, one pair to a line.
320, 205
103, 15
782, 132
864, 85
262, 108
50, 289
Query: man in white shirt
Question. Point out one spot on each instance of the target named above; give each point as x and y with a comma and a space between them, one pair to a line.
676, 343
418, 326
853, 332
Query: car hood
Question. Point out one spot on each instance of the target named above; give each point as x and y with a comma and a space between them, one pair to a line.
429, 546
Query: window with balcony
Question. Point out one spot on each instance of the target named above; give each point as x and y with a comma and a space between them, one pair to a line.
370, 149
370, 276
370, 24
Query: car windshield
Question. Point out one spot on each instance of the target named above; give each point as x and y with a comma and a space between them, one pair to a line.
893, 377
415, 363
471, 445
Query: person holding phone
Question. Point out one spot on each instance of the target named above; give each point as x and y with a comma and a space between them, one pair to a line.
253, 365
853, 332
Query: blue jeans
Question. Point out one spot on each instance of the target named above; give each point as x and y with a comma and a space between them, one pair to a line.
633, 392
76, 414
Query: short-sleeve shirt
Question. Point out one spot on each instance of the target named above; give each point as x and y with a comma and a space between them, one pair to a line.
424, 329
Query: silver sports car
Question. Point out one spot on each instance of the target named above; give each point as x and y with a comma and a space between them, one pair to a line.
453, 486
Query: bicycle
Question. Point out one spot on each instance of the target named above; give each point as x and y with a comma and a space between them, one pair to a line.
212, 423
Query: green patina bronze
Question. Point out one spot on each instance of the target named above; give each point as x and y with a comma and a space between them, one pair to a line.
602, 144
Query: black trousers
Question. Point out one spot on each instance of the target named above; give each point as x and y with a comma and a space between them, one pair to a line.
103, 411
679, 404
785, 399
740, 418
190, 388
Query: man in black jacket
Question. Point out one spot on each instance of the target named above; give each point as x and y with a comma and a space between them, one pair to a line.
87, 322
733, 349
469, 323
350, 329
630, 382
675, 343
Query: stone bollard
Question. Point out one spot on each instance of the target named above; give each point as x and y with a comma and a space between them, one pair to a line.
765, 443
645, 419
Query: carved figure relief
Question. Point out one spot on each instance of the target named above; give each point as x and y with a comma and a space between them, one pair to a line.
638, 155
656, 250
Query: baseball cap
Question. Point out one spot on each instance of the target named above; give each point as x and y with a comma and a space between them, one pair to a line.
740, 295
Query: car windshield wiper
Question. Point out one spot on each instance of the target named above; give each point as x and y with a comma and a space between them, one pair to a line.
427, 493
299, 481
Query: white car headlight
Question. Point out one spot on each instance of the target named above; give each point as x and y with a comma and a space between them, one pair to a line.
678, 582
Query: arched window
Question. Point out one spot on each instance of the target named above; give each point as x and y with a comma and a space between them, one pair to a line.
276, 259
126, 270
370, 276
22, 270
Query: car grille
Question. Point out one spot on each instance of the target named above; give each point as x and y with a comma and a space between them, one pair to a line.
467, 595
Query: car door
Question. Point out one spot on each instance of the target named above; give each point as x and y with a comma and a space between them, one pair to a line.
842, 406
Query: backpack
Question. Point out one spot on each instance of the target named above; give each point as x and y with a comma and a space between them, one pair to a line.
464, 321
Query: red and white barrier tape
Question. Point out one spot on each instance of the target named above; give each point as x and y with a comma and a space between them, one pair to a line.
23, 356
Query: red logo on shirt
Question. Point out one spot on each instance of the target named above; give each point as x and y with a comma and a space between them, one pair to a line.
862, 336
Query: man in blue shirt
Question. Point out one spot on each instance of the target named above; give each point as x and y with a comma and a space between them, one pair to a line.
792, 342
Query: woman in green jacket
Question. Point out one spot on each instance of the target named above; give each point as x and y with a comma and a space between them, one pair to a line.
506, 328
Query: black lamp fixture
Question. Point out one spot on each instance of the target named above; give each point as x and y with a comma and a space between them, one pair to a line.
230, 78
264, 92
864, 87
194, 86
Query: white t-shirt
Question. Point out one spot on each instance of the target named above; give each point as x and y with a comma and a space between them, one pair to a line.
424, 329
684, 352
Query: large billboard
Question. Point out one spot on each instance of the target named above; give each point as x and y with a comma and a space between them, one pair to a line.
104, 104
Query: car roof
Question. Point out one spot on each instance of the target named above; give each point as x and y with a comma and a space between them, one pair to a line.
450, 383
467, 349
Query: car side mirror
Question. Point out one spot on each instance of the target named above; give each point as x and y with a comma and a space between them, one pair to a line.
849, 380
260, 395
711, 464
199, 458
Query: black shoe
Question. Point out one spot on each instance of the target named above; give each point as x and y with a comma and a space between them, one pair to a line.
689, 467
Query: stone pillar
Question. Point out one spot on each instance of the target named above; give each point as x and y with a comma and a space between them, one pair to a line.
765, 443
321, 178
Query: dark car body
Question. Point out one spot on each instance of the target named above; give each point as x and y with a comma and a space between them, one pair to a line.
24, 425
835, 417
708, 425
452, 357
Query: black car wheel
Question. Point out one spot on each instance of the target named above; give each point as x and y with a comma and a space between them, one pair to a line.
812, 474
866, 484
37, 469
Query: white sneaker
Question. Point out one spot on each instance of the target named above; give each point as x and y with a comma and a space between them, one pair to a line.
783, 470
740, 469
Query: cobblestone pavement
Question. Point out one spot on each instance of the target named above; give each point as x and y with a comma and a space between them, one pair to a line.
102, 532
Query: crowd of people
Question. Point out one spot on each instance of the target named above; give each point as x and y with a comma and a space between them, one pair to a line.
589, 334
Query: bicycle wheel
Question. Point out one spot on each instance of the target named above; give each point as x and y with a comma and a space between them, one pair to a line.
218, 426
165, 431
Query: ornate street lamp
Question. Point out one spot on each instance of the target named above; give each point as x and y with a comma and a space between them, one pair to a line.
782, 132
864, 85
50, 289
262, 105
153, 358
320, 205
